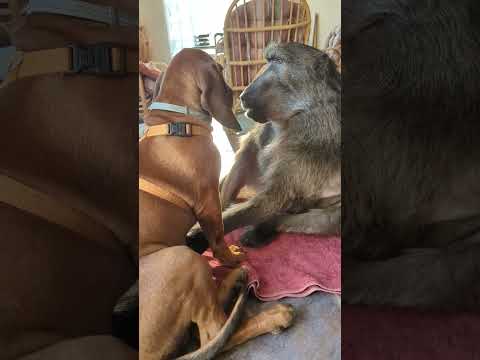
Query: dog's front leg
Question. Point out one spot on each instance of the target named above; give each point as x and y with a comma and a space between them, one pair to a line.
209, 217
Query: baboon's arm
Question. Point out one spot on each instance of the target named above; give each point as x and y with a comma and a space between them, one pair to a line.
315, 221
261, 208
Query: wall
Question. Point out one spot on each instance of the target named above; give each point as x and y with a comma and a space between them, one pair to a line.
329, 13
152, 16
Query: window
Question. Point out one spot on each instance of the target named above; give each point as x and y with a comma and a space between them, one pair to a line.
186, 18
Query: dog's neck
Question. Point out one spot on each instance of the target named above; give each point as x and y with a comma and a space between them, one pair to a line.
177, 93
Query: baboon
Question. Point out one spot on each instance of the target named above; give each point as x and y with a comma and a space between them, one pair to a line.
295, 151
411, 154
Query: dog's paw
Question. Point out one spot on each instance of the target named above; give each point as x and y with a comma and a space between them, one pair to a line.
281, 317
197, 241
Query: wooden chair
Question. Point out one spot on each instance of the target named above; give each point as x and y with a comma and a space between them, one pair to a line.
148, 72
333, 47
5, 12
144, 53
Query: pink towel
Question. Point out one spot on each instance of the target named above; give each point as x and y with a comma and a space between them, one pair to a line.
293, 265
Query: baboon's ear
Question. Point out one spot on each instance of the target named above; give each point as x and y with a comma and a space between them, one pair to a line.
216, 97
326, 70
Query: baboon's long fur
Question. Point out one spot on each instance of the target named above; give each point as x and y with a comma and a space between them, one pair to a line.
411, 153
294, 159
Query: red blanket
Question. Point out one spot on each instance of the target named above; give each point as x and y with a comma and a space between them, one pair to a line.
292, 265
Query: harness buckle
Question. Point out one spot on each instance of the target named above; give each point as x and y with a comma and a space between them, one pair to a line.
98, 59
180, 129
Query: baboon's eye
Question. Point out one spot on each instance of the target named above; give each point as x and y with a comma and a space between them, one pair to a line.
275, 59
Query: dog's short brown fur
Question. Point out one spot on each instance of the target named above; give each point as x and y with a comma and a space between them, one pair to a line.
176, 285
295, 157
70, 137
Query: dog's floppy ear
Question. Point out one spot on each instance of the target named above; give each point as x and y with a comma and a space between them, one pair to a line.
216, 97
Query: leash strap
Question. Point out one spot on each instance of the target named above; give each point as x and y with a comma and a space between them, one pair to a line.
179, 109
51, 209
82, 10
158, 191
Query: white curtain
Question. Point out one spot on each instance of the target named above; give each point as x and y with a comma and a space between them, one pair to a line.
186, 18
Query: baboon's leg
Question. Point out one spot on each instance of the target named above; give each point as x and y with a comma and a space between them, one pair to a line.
232, 137
233, 182
244, 171
315, 221
272, 320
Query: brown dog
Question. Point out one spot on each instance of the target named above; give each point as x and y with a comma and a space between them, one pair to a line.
67, 141
179, 184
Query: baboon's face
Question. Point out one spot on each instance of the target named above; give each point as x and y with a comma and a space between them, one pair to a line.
295, 78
